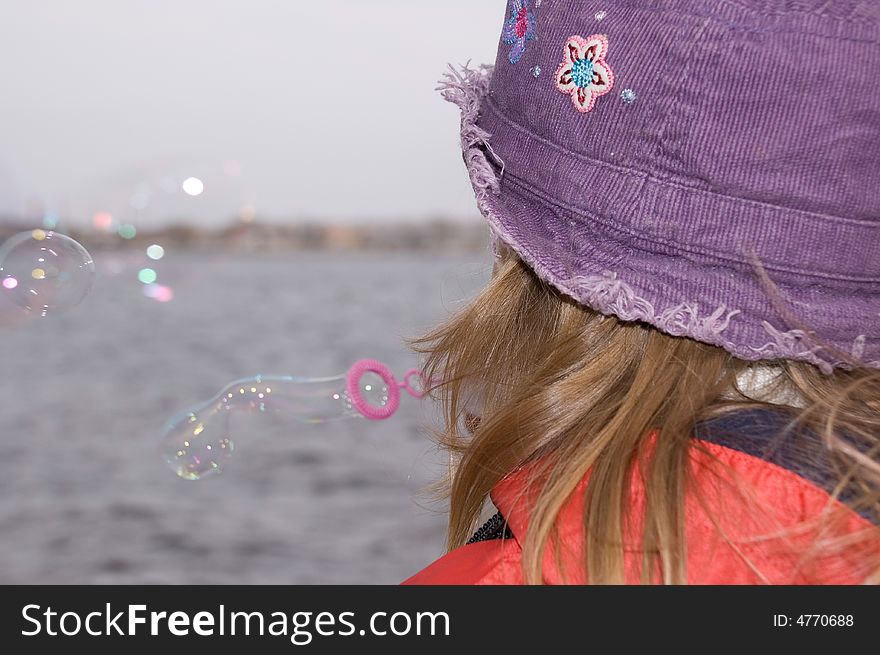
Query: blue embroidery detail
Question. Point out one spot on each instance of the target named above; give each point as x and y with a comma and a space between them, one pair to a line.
582, 73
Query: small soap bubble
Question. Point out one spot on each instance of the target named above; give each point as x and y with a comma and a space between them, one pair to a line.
197, 443
155, 252
600, 15
536, 71
43, 271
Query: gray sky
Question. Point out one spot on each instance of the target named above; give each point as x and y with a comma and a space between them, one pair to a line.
320, 108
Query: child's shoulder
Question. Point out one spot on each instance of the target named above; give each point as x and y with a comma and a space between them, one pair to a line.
770, 439
785, 471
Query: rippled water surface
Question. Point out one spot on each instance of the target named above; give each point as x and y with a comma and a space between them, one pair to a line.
83, 396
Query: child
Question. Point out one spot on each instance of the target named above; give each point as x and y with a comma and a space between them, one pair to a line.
674, 374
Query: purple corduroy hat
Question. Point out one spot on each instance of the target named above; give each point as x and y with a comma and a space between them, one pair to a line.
710, 167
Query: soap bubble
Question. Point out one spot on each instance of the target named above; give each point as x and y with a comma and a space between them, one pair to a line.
198, 442
45, 271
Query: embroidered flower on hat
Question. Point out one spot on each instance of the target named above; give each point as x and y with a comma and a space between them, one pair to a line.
584, 74
519, 29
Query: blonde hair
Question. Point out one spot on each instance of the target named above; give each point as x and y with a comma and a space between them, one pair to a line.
573, 391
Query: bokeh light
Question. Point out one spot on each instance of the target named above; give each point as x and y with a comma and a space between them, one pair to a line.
247, 214
140, 198
193, 186
232, 168
164, 294
155, 252
167, 184
50, 220
159, 292
147, 276
127, 231
103, 221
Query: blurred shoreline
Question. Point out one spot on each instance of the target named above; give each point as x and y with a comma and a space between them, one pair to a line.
434, 235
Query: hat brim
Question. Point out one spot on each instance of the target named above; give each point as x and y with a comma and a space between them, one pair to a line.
713, 296
678, 291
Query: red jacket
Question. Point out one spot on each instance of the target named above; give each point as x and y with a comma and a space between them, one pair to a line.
789, 479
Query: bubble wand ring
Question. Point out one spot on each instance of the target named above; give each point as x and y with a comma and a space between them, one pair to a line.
371, 412
353, 386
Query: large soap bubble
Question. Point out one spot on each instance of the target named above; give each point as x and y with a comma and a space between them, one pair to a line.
197, 442
44, 271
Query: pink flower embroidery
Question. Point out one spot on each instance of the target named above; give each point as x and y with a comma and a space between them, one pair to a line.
584, 73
